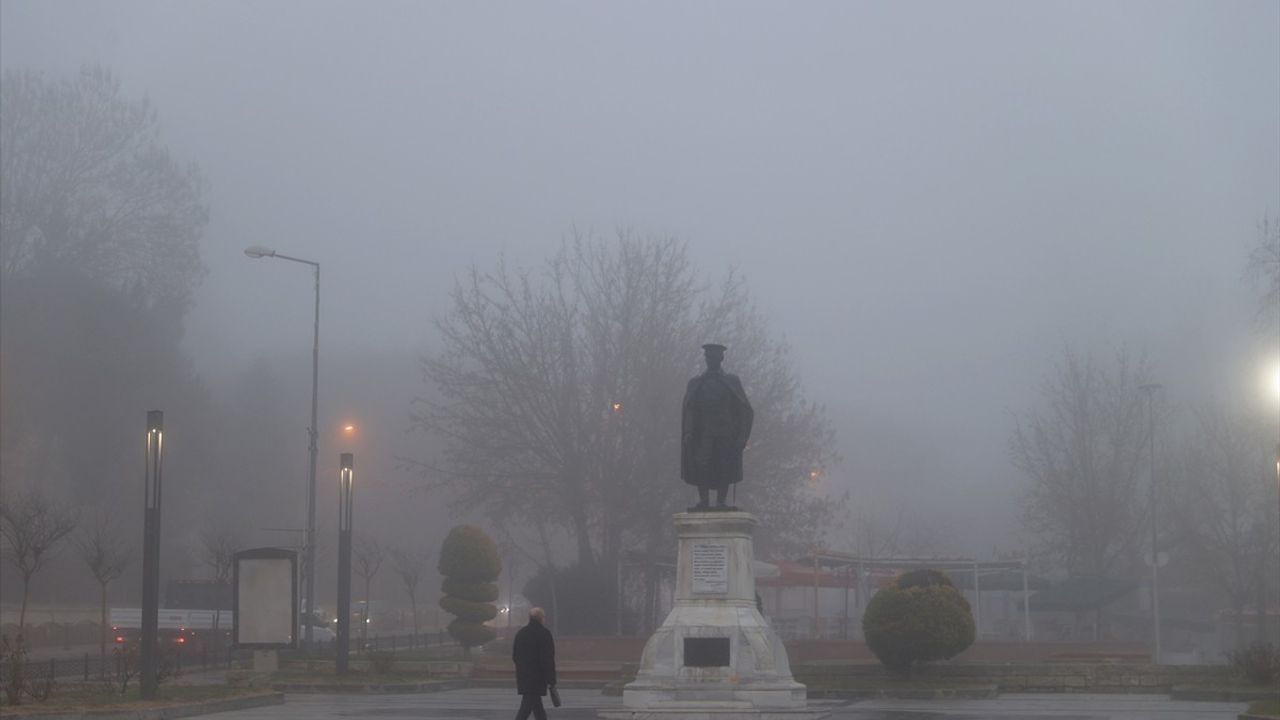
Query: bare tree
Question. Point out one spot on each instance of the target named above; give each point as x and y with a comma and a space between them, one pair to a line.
877, 534
1083, 453
559, 395
1223, 507
107, 557
410, 565
218, 548
32, 525
99, 259
86, 181
367, 555
1264, 268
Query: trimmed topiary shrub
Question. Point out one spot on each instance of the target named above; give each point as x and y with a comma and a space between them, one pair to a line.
479, 592
919, 619
470, 564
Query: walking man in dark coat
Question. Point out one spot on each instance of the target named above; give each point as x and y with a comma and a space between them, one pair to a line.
715, 425
534, 653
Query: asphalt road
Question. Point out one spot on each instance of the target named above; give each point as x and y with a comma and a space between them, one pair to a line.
583, 705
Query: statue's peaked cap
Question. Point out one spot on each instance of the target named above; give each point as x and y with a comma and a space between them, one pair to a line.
714, 346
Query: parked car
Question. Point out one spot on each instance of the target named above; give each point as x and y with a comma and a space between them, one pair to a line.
320, 634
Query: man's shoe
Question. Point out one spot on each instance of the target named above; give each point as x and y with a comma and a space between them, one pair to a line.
700, 508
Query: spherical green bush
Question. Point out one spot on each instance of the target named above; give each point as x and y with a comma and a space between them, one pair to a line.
470, 564
907, 627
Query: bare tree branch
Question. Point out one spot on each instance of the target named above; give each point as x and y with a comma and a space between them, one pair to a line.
1264, 268
410, 564
1082, 452
559, 394
32, 525
367, 555
106, 556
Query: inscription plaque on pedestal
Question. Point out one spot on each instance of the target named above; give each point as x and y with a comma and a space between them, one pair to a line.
706, 652
710, 568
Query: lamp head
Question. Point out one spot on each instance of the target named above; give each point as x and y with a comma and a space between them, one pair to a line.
257, 251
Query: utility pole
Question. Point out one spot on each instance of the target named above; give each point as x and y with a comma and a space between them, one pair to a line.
309, 540
1150, 390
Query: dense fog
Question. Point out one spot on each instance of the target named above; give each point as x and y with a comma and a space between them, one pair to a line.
932, 236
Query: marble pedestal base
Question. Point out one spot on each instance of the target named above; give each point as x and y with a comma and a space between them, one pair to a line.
714, 657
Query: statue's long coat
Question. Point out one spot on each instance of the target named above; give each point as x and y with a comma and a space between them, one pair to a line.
743, 416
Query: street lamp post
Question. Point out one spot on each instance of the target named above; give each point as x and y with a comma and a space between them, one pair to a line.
151, 552
346, 482
1150, 390
309, 554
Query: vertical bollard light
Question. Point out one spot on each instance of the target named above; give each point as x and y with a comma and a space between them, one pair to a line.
346, 478
151, 552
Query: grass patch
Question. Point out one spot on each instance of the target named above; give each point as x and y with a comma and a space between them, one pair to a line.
1265, 707
104, 696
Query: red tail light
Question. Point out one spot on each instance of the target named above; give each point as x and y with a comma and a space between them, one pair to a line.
119, 638
181, 640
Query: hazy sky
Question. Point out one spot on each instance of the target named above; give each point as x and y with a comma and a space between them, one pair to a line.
929, 199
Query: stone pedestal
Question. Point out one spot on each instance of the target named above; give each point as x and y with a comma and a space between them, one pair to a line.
715, 657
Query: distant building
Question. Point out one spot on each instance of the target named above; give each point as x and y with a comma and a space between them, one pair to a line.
197, 595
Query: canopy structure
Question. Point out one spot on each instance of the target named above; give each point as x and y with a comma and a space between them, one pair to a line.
1082, 593
849, 571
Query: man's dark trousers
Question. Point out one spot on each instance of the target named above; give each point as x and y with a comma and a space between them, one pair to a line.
531, 704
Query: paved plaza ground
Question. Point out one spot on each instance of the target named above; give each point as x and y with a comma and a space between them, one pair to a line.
583, 704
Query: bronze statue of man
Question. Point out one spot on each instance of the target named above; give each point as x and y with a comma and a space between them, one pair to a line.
715, 426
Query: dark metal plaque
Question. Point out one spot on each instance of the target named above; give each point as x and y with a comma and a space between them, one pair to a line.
706, 652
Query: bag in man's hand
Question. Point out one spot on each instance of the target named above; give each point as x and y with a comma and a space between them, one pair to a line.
555, 696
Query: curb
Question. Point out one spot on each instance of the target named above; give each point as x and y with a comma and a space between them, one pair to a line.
426, 686
982, 692
1224, 694
168, 712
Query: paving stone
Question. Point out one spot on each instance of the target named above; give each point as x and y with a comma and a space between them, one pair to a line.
584, 704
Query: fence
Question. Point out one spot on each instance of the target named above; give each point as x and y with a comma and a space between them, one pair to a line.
410, 642
428, 643
26, 680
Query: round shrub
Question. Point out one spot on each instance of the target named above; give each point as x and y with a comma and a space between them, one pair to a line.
470, 564
926, 621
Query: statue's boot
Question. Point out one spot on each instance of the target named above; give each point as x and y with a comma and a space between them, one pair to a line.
721, 505
704, 498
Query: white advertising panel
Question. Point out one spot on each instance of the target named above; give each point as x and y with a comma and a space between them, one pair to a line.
266, 598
